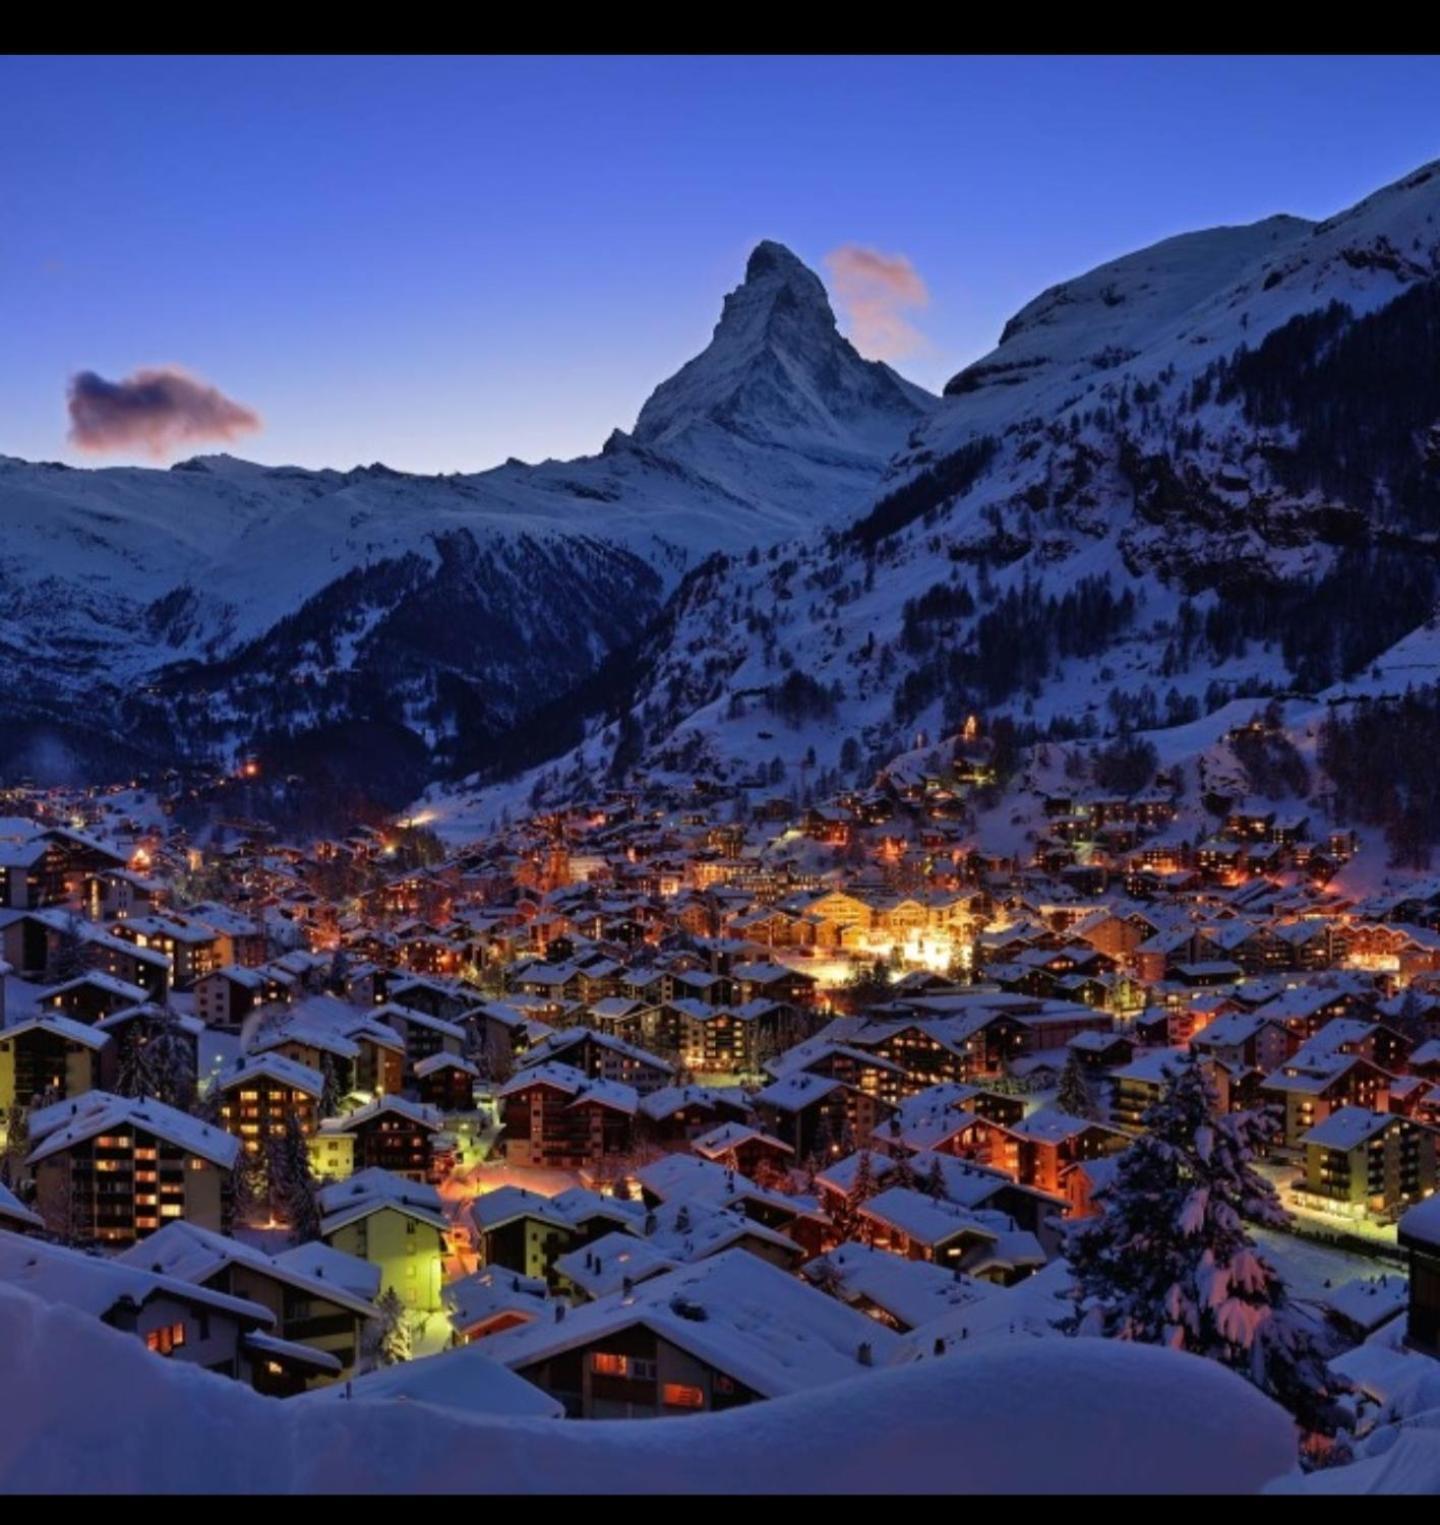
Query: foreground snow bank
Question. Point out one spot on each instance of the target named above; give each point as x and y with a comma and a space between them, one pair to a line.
88, 1409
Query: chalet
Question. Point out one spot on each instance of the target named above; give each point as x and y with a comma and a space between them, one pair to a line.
226, 996
192, 948
422, 1034
319, 1299
435, 998
1368, 1163
1138, 1085
1038, 1149
112, 1169
516, 1230
726, 1331
602, 1058
261, 1095
493, 1300
617, 1262
557, 1116
31, 875
174, 1318
917, 1226
679, 1115
127, 961
447, 1082
740, 1147
120, 892
900, 1294
1312, 1087
91, 996
395, 1224
816, 1115
392, 1135
47, 1059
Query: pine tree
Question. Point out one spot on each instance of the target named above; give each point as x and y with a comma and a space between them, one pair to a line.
934, 1183
172, 1061
72, 954
250, 1185
1169, 1261
1075, 1096
17, 1144
292, 1186
330, 1091
386, 1342
136, 1072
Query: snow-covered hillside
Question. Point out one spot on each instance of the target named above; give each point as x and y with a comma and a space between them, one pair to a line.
128, 592
1206, 471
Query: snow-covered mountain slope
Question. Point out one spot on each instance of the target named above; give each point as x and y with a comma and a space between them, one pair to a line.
1206, 470
141, 597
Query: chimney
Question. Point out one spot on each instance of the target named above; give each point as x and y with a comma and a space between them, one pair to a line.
865, 1355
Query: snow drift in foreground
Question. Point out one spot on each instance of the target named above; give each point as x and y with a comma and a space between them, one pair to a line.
90, 1410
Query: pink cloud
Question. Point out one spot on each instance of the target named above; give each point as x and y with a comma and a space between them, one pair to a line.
877, 290
159, 410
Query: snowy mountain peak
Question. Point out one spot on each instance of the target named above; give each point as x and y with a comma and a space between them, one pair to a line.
770, 260
778, 371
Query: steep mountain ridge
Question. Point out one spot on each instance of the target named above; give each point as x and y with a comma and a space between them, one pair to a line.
206, 606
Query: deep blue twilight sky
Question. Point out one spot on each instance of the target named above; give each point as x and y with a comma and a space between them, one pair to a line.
441, 262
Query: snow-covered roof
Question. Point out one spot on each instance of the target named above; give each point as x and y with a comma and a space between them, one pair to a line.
374, 1190
13, 1211
758, 1325
911, 1291
194, 1254
1348, 1128
276, 1067
465, 1380
145, 1115
95, 1284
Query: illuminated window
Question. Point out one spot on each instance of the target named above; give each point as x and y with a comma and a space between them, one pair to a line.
678, 1396
164, 1341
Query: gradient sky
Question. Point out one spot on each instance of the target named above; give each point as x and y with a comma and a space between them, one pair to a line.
438, 263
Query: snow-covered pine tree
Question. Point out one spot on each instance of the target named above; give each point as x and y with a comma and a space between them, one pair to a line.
1169, 1261
395, 1343
136, 1070
172, 1061
330, 1091
292, 1185
1075, 1095
17, 1144
249, 1185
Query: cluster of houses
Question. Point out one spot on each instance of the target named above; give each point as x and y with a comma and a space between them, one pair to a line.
653, 1111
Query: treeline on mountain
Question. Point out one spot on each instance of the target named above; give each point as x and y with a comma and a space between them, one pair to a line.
1125, 766
1327, 628
356, 770
1380, 757
933, 487
799, 697
1014, 645
1362, 394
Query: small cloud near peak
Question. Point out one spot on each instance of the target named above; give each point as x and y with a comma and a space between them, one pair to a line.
877, 291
